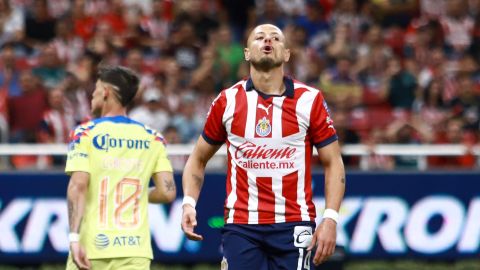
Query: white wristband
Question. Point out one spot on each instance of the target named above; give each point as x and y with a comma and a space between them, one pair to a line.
330, 213
189, 200
73, 237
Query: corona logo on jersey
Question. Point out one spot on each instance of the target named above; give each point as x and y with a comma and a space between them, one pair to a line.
262, 156
104, 142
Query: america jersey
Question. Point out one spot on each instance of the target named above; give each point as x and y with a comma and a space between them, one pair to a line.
269, 142
120, 155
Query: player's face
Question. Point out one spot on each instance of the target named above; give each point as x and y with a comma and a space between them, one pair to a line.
98, 99
266, 48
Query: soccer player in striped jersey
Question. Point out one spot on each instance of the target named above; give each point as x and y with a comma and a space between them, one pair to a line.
270, 124
111, 160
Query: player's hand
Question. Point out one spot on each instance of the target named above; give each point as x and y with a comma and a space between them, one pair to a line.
324, 238
79, 256
189, 222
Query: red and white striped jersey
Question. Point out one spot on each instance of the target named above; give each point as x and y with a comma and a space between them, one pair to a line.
270, 141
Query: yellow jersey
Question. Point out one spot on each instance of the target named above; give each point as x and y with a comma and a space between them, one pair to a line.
120, 155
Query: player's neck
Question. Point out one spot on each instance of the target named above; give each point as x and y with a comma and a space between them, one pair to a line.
270, 83
114, 110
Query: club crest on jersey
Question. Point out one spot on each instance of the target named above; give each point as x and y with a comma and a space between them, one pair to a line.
263, 128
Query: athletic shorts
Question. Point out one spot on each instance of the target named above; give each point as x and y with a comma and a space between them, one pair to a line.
133, 263
280, 246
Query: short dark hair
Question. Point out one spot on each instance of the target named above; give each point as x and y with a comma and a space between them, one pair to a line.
125, 79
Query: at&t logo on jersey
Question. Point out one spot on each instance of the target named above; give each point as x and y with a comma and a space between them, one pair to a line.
101, 241
104, 142
263, 128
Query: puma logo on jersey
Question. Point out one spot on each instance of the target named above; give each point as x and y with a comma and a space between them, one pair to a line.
260, 106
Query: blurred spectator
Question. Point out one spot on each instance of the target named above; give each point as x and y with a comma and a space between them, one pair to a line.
315, 25
26, 111
301, 57
374, 161
157, 27
457, 27
76, 98
172, 136
230, 55
168, 83
105, 44
240, 14
429, 105
402, 86
433, 9
342, 43
188, 123
339, 87
152, 112
404, 131
292, 8
56, 124
134, 61
346, 13
4, 132
39, 25
346, 134
112, 13
455, 134
185, 49
421, 38
467, 102
68, 47
394, 12
83, 23
49, 69
203, 24
9, 73
268, 11
12, 23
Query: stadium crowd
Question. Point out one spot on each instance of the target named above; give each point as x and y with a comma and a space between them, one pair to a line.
392, 71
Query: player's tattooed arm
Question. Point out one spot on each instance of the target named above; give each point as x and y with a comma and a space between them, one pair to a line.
76, 199
169, 185
165, 190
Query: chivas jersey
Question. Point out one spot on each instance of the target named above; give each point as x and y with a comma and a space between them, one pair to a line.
120, 155
269, 141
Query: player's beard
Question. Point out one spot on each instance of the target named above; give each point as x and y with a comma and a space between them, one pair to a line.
265, 64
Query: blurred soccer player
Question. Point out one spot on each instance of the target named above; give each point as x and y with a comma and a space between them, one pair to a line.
111, 160
270, 124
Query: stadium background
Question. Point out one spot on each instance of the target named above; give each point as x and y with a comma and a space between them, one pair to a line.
401, 78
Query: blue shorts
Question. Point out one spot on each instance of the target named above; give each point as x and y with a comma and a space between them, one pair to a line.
267, 247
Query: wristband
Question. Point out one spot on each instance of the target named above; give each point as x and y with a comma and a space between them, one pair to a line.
73, 237
330, 213
189, 200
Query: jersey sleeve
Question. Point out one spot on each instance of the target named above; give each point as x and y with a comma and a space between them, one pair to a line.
78, 151
163, 162
322, 130
214, 131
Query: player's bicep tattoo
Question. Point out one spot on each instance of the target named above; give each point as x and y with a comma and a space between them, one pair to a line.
343, 179
169, 184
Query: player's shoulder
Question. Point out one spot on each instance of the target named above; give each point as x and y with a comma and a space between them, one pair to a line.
298, 85
157, 136
234, 87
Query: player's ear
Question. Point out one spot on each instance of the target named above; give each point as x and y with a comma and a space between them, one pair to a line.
246, 53
106, 93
